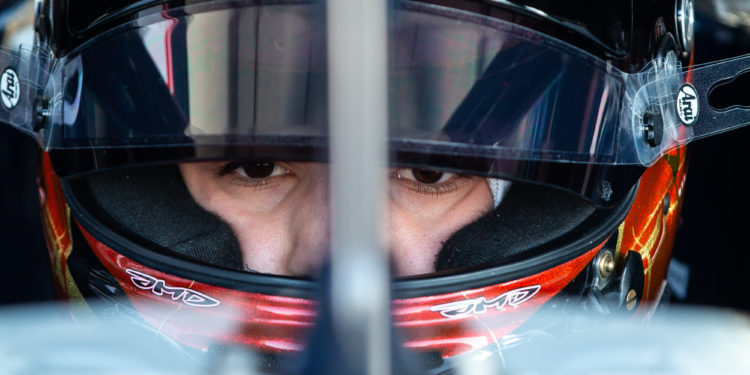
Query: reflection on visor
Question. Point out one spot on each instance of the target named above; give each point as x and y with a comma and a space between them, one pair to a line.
258, 73
460, 86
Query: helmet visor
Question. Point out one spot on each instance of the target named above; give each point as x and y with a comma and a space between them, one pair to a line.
239, 75
220, 78
466, 93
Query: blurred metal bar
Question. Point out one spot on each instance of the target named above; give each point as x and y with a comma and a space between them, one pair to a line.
358, 79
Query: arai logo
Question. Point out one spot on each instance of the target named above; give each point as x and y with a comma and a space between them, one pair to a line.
476, 306
687, 104
159, 287
10, 88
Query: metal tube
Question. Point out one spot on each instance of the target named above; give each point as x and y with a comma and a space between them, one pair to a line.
357, 52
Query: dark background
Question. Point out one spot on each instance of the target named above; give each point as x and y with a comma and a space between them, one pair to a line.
714, 236
712, 239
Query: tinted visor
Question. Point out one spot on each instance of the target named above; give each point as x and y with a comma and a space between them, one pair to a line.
467, 93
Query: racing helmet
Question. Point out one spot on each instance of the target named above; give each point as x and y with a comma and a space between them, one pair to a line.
563, 112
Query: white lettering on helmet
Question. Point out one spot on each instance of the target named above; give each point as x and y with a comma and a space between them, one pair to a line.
10, 88
159, 287
687, 104
476, 306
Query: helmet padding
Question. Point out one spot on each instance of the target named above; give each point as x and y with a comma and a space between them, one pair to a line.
528, 216
153, 205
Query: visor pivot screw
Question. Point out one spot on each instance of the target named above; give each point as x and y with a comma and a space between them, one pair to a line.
606, 264
653, 128
630, 300
41, 112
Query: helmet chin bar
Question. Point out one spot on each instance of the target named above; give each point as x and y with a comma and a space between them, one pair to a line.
600, 290
577, 308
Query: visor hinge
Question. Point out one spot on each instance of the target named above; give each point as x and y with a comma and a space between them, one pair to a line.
653, 128
41, 113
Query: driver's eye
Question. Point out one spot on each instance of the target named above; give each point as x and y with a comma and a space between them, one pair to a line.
257, 170
424, 176
427, 176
